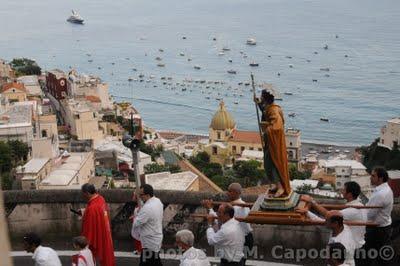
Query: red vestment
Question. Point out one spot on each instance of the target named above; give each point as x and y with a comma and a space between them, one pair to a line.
96, 228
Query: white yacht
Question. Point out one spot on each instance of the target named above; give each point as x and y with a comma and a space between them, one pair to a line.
251, 41
75, 18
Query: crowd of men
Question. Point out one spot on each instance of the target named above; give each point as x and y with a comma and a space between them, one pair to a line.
232, 239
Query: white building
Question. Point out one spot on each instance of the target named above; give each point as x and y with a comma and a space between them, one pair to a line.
87, 85
390, 133
32, 85
347, 170
107, 149
293, 146
184, 181
16, 123
33, 172
70, 172
83, 122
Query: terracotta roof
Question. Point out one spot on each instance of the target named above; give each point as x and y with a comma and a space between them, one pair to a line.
16, 85
246, 136
93, 99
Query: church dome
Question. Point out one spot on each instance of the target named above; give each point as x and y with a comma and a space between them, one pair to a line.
222, 119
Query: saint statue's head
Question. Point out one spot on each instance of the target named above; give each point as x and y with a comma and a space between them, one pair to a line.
267, 97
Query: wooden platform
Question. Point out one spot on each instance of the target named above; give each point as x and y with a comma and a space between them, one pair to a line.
290, 211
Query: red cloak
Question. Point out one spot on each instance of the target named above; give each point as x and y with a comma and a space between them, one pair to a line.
96, 228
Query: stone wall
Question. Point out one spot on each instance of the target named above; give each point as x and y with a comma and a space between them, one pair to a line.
48, 213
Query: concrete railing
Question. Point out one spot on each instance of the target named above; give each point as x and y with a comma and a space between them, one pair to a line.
48, 213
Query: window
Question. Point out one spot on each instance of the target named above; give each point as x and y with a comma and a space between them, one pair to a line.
44, 134
290, 144
234, 149
218, 135
251, 148
241, 148
259, 149
214, 150
94, 115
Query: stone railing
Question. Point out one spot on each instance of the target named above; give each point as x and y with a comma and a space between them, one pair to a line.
47, 212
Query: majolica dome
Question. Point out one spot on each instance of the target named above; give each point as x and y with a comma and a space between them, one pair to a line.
222, 119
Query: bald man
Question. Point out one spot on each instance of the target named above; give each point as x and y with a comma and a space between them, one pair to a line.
234, 192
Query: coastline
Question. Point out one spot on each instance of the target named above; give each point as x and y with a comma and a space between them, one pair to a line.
307, 145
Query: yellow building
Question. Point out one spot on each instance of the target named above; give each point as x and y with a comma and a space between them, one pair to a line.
14, 92
226, 143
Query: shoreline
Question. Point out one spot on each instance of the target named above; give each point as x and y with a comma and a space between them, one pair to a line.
303, 141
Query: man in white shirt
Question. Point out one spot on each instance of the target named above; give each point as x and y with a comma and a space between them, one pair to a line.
148, 225
350, 192
234, 192
378, 237
341, 234
43, 256
191, 256
337, 254
229, 238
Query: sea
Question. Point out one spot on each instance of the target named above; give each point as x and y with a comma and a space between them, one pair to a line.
121, 40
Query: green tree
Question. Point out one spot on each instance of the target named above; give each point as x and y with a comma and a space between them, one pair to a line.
156, 168
296, 174
25, 66
20, 150
249, 172
6, 181
5, 157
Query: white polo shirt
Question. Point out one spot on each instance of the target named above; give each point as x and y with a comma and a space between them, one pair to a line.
194, 257
148, 224
353, 214
382, 196
229, 240
44, 256
346, 239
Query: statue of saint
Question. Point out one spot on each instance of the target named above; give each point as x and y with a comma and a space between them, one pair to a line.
274, 145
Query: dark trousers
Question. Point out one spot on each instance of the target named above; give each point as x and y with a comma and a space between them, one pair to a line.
150, 258
248, 246
224, 262
375, 238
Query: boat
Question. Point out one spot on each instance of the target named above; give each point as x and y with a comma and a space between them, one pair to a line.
230, 60
221, 53
182, 54
326, 47
288, 93
251, 41
161, 50
290, 65
226, 49
324, 69
158, 58
253, 64
161, 65
75, 18
236, 102
197, 67
324, 119
231, 71
292, 114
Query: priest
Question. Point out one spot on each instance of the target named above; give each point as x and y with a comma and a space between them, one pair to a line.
96, 226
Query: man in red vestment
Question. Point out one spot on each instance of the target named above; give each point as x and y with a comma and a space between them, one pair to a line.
96, 226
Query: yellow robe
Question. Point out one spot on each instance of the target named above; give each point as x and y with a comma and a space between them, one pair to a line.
274, 128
